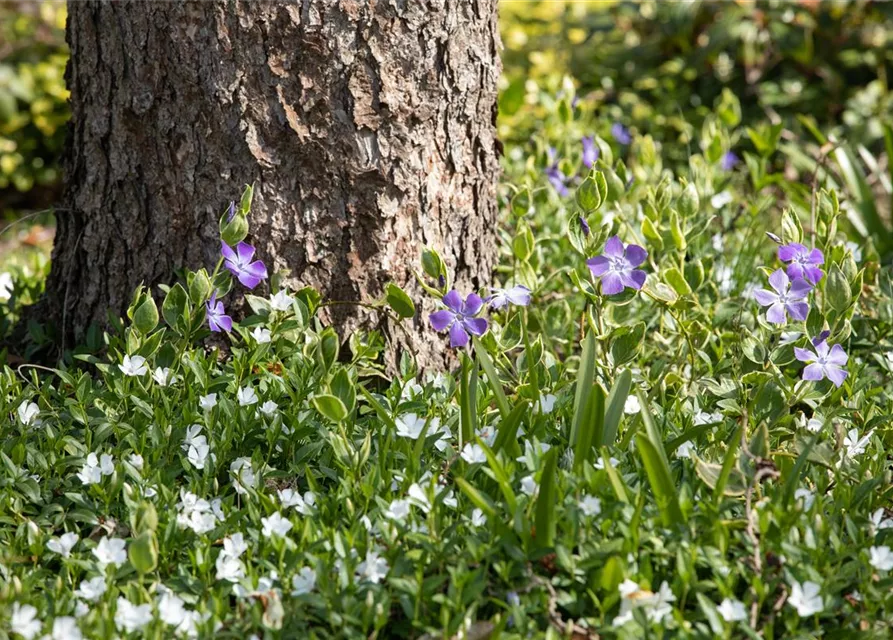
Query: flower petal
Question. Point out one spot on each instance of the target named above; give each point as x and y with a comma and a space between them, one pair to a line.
776, 314
614, 247
458, 337
633, 279
798, 310
764, 297
475, 326
636, 255
442, 319
813, 372
453, 301
779, 281
598, 265
227, 252
611, 284
473, 304
519, 295
835, 374
800, 288
837, 356
803, 355
816, 256
245, 251
788, 252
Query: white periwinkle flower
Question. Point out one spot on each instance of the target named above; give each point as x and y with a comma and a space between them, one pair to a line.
5, 286
528, 485
208, 402
398, 510
28, 412
65, 628
806, 495
91, 590
478, 519
281, 301
246, 396
136, 461
304, 582
269, 408
276, 525
590, 506
24, 621
732, 610
162, 376
134, 366
243, 475
632, 406
261, 335
63, 544
881, 558
685, 449
130, 617
473, 453
855, 446
110, 551
373, 568
806, 598
410, 426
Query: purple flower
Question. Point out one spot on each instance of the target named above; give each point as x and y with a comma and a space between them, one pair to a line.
620, 133
459, 318
825, 363
590, 151
728, 161
788, 298
617, 266
240, 264
518, 295
217, 318
555, 175
804, 262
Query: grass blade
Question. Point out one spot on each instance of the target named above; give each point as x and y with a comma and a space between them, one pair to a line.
490, 370
585, 378
614, 477
616, 401
591, 428
654, 458
507, 430
545, 502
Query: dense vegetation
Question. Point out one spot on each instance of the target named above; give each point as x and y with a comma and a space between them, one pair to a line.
669, 416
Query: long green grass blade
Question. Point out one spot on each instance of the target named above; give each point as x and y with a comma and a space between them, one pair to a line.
585, 377
507, 430
616, 401
657, 468
493, 378
591, 429
545, 502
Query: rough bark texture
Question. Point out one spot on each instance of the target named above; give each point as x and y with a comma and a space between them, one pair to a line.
367, 127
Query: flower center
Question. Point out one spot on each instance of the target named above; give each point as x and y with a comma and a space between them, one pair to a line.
618, 264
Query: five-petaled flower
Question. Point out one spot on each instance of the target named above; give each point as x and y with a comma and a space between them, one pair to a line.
620, 133
787, 298
239, 262
459, 318
617, 266
826, 362
804, 262
590, 151
133, 366
217, 318
517, 295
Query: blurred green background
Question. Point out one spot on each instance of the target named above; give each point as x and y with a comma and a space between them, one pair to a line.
659, 68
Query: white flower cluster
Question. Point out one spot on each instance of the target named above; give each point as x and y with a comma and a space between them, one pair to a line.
197, 513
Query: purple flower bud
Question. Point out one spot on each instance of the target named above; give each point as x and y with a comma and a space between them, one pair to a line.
620, 133
617, 266
459, 318
821, 337
217, 318
787, 298
773, 237
728, 161
555, 176
584, 225
804, 263
825, 362
232, 211
240, 264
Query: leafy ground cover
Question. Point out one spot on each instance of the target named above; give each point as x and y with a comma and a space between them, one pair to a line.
669, 417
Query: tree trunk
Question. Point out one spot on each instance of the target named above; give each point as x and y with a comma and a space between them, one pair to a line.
366, 126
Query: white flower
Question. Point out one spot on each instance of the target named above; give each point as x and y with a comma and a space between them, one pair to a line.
291, 498
171, 608
806, 598
881, 558
528, 485
261, 335
91, 472
419, 497
161, 376
410, 426
110, 551
702, 417
276, 525
685, 449
725, 277
630, 597
198, 452
546, 404
590, 506
632, 406
246, 396
65, 628
229, 568
600, 464
473, 453
135, 366
854, 248
398, 510
64, 544
450, 500
807, 496
281, 301
106, 464
269, 408
91, 590
410, 390
721, 199
373, 568
855, 446
659, 607
879, 522
304, 582
136, 461
788, 337
208, 402
130, 617
717, 242
28, 411
80, 609
732, 610
24, 621
197, 514
243, 475
814, 425
5, 285
235, 545
478, 519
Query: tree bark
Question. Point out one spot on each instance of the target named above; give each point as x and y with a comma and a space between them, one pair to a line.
366, 126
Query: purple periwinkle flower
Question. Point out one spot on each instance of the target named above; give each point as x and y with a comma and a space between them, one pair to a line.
617, 266
825, 362
459, 318
804, 263
556, 176
621, 133
517, 295
240, 264
728, 161
590, 151
217, 318
787, 298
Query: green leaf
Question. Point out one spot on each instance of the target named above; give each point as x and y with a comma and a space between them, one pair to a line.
523, 243
615, 403
613, 477
689, 202
145, 318
590, 430
585, 377
837, 289
143, 552
507, 430
626, 342
399, 301
342, 387
657, 468
175, 305
492, 377
676, 280
330, 406
729, 463
546, 501
477, 498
